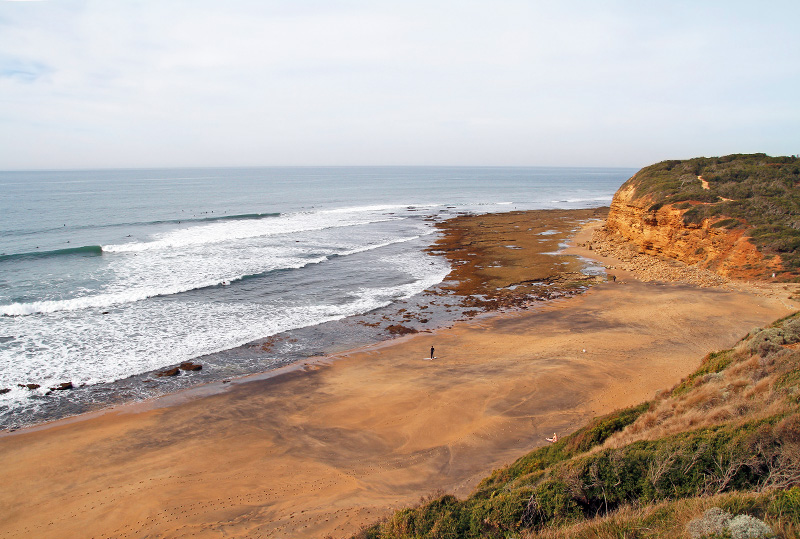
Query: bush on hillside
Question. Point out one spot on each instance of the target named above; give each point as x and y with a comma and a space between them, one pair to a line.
716, 523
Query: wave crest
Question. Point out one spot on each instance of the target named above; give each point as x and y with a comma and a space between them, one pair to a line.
86, 250
141, 293
242, 230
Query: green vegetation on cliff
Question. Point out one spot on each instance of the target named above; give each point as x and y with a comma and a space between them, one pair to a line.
728, 436
755, 192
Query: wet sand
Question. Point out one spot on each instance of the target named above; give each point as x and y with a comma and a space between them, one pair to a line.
326, 448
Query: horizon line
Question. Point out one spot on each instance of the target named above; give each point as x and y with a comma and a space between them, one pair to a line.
178, 167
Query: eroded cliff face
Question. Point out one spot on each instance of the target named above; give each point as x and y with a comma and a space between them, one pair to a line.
663, 232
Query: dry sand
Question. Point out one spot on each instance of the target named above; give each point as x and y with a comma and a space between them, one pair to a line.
324, 449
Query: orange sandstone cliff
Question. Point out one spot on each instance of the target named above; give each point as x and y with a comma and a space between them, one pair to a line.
735, 215
663, 231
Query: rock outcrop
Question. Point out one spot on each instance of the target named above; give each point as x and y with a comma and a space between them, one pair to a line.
398, 329
662, 230
190, 366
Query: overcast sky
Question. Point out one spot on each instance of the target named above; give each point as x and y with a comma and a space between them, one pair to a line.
86, 84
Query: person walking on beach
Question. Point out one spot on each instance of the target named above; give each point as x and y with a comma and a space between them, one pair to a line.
431, 352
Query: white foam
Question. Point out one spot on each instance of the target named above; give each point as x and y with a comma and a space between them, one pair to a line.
144, 273
378, 245
70, 340
70, 346
226, 231
374, 208
146, 289
582, 200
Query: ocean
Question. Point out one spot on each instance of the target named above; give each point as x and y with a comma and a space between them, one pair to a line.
108, 276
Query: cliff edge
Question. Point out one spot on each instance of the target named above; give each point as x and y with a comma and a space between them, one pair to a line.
737, 215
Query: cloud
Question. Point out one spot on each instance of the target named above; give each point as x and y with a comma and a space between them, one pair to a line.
21, 70
512, 82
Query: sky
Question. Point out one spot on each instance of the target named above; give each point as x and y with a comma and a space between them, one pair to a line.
162, 83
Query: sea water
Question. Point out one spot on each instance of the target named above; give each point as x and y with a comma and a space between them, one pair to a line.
109, 275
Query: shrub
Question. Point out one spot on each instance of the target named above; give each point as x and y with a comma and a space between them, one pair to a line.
713, 522
694, 216
770, 339
747, 527
718, 523
726, 223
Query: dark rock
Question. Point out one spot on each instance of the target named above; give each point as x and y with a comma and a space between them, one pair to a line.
105, 312
30, 386
4, 391
169, 372
62, 386
189, 366
397, 329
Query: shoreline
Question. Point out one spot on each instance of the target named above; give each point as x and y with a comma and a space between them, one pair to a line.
332, 445
449, 301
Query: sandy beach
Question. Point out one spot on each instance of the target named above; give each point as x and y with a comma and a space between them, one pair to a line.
323, 449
